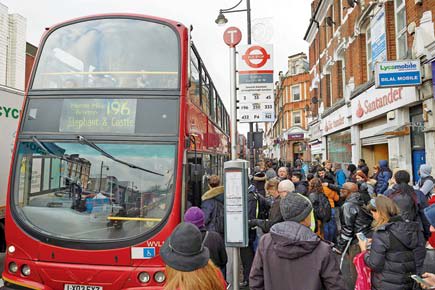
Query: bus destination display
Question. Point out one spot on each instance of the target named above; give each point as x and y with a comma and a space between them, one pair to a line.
98, 115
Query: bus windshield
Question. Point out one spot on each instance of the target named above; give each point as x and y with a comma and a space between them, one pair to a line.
108, 54
90, 191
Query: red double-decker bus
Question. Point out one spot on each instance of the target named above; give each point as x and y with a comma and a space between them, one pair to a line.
120, 128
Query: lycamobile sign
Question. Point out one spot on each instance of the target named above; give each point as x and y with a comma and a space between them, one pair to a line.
398, 73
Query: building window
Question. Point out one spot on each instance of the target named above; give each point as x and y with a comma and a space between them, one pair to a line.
296, 93
296, 118
328, 90
369, 53
402, 47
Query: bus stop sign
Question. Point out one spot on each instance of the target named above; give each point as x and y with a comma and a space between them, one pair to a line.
232, 36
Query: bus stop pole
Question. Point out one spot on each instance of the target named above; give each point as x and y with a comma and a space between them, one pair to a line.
234, 140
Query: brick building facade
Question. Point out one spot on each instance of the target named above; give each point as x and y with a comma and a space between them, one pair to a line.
345, 44
289, 131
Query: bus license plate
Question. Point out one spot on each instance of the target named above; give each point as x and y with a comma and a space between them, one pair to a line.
81, 287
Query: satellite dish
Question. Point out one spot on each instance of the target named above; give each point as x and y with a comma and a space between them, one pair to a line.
351, 3
314, 100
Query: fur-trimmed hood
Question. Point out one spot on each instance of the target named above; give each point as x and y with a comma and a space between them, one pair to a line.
213, 192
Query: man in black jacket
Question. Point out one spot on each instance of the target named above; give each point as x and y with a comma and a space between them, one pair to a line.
362, 165
355, 218
301, 186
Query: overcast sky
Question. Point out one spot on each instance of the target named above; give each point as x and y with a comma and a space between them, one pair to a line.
288, 19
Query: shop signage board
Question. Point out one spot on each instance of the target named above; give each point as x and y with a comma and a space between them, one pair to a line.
378, 37
336, 121
295, 136
375, 102
255, 93
398, 73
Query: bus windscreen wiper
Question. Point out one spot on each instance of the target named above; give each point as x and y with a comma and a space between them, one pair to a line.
83, 140
45, 149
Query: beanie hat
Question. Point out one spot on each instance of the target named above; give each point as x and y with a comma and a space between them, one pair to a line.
295, 207
286, 185
425, 170
195, 215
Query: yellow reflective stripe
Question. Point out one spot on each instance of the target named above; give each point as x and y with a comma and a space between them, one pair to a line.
119, 218
19, 283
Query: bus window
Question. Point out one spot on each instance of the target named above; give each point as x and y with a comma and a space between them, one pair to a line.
205, 95
212, 98
92, 54
194, 81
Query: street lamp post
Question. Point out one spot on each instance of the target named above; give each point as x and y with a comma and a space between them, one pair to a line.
221, 20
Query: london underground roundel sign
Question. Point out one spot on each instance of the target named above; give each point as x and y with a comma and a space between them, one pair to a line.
256, 56
232, 36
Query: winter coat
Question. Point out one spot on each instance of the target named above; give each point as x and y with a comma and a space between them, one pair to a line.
275, 216
216, 247
384, 175
301, 187
426, 182
292, 257
340, 177
354, 218
209, 206
363, 189
391, 256
364, 168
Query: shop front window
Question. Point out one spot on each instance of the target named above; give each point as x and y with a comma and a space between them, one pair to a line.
339, 147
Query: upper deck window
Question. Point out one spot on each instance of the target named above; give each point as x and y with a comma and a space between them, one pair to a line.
110, 53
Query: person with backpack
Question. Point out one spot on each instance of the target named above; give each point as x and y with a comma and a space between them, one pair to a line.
411, 209
213, 206
321, 206
426, 182
212, 240
391, 256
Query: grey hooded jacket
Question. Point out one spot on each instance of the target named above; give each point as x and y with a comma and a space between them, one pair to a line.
426, 182
292, 257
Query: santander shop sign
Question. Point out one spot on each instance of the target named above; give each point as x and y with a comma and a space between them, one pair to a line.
376, 102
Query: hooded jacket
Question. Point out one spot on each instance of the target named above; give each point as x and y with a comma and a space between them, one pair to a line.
384, 175
209, 206
292, 257
391, 256
426, 182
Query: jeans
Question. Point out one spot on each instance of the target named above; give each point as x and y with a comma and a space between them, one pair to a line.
330, 228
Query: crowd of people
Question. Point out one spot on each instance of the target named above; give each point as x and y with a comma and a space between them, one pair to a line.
307, 224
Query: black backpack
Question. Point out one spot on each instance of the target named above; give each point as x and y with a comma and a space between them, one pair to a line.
321, 207
407, 203
219, 217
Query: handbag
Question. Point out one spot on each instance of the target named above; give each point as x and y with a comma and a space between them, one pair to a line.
363, 280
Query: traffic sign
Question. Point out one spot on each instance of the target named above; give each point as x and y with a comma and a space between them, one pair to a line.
232, 36
256, 60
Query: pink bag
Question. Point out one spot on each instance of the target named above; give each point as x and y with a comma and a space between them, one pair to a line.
363, 281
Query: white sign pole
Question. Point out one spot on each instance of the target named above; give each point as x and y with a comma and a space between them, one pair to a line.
233, 101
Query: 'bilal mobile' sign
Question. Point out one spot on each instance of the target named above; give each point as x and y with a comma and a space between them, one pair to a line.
255, 93
398, 73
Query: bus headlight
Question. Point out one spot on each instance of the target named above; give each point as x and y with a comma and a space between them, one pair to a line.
25, 270
11, 249
13, 268
144, 277
159, 277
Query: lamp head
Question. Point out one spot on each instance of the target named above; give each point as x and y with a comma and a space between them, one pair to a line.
221, 19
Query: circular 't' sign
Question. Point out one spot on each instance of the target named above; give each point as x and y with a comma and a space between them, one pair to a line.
232, 36
255, 59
